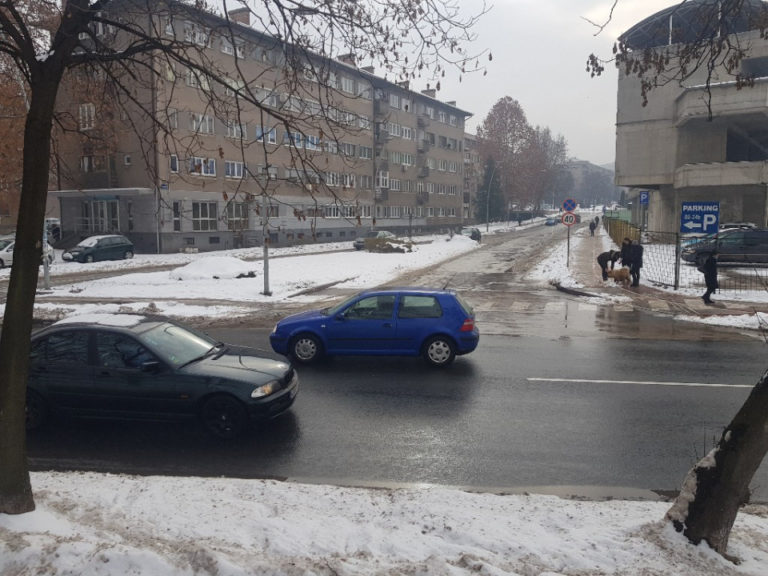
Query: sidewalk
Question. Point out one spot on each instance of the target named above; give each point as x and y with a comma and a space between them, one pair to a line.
586, 271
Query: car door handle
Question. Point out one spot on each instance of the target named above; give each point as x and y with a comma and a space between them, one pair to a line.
387, 324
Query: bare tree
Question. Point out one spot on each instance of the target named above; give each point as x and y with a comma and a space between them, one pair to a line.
504, 135
120, 50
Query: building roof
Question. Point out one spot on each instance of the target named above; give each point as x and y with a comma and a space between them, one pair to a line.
684, 22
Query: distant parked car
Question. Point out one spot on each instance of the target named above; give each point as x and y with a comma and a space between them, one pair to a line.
7, 244
435, 324
94, 248
734, 246
130, 366
359, 243
473, 233
551, 221
729, 225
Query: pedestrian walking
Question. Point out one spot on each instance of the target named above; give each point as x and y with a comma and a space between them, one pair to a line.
592, 228
709, 268
636, 255
605, 258
624, 255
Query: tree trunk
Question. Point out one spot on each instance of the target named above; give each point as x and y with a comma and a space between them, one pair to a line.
15, 488
714, 489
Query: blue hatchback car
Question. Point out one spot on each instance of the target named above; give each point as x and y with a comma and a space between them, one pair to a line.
436, 324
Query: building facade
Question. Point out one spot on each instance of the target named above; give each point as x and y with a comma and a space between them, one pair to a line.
330, 151
671, 148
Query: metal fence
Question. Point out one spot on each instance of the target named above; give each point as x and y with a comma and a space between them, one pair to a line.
662, 265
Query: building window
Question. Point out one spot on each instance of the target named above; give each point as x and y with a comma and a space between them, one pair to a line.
204, 216
93, 163
177, 216
366, 152
174, 163
261, 134
236, 129
237, 216
127, 159
87, 116
382, 179
202, 166
234, 169
347, 85
201, 123
394, 101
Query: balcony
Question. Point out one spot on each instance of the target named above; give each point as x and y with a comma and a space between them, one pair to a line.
380, 107
381, 194
422, 121
727, 100
721, 174
424, 172
422, 198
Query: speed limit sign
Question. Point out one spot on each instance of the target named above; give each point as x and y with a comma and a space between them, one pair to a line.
569, 218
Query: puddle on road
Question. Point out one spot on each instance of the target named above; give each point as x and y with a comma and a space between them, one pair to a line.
550, 314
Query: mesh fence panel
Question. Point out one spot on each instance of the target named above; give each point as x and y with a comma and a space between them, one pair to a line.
659, 262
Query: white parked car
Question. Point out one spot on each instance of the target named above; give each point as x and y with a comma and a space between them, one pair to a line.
6, 251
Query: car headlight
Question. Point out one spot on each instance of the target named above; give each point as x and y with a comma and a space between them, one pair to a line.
274, 330
265, 390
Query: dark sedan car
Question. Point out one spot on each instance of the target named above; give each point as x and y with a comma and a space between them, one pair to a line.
126, 366
734, 245
435, 324
94, 248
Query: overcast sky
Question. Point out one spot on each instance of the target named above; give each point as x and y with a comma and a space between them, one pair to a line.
540, 49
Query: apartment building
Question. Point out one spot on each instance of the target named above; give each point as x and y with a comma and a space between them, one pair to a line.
289, 147
672, 148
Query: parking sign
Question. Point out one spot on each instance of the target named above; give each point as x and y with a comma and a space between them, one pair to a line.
699, 217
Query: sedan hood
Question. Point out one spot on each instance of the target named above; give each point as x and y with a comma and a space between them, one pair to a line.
239, 364
302, 317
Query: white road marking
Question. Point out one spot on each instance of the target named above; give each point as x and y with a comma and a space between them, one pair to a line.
642, 383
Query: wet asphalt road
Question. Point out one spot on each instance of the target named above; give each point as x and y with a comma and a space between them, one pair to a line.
560, 392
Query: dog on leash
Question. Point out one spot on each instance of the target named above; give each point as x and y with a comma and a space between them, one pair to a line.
620, 275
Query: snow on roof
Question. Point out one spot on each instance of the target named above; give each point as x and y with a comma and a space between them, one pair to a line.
122, 320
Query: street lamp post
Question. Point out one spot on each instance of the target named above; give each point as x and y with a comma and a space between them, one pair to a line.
488, 199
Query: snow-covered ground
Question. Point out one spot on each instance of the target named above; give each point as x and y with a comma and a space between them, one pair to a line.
102, 524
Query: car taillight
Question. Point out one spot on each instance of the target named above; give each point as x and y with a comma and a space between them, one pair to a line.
469, 325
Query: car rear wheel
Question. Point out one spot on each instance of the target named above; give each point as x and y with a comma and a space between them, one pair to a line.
128, 255
37, 411
306, 348
224, 417
439, 351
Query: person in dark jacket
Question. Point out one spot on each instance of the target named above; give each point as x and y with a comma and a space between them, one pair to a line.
636, 259
606, 257
592, 226
710, 276
625, 255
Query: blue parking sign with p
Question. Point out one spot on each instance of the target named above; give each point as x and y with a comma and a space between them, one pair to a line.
699, 217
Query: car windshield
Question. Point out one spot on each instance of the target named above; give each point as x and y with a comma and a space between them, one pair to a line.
177, 345
88, 242
332, 311
4, 244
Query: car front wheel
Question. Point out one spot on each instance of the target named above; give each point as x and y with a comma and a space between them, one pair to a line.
224, 417
128, 255
89, 258
439, 351
306, 348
